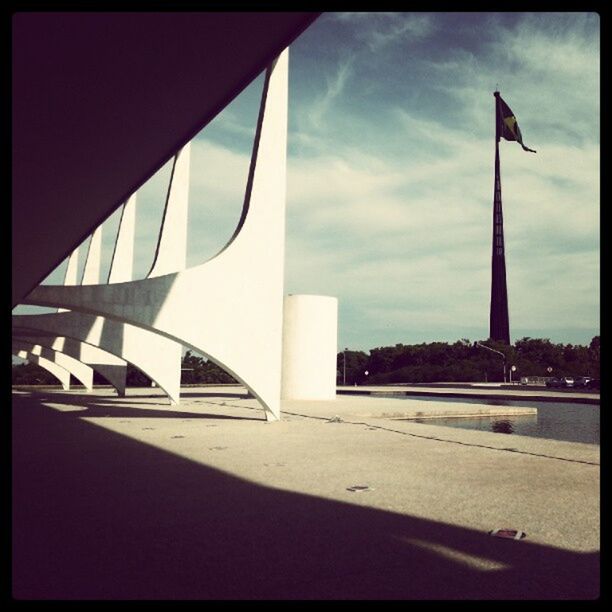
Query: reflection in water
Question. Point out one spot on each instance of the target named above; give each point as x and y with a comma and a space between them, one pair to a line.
503, 426
554, 420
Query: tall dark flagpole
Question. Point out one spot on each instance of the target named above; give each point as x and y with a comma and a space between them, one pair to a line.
499, 325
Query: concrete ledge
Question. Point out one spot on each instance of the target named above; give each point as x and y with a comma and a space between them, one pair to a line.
374, 406
479, 392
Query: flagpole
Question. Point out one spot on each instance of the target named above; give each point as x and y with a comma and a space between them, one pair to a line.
499, 327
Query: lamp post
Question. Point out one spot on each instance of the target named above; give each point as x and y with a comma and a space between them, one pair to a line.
494, 351
344, 370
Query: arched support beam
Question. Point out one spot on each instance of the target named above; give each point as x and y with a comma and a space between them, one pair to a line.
113, 369
83, 373
60, 373
231, 307
151, 353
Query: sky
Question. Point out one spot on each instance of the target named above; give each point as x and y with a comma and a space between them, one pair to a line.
390, 175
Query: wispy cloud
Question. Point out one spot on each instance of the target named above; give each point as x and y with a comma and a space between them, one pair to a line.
335, 85
379, 30
390, 174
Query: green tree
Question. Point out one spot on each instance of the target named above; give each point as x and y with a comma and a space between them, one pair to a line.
357, 363
196, 370
31, 374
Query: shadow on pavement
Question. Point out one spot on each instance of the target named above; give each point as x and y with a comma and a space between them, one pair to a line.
97, 515
184, 393
91, 410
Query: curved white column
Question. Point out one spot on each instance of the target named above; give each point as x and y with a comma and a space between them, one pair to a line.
60, 373
79, 370
71, 276
171, 252
146, 351
112, 368
310, 341
231, 307
122, 262
91, 271
109, 366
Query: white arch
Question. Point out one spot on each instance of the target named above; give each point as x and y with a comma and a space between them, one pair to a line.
112, 368
147, 351
79, 370
60, 373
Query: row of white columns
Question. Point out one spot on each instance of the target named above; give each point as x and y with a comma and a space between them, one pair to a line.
230, 308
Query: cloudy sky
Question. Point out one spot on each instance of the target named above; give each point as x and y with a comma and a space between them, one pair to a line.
390, 175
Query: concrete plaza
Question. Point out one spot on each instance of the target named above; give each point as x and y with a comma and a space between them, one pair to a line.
130, 498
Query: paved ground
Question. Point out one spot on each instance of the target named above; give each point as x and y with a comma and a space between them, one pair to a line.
133, 499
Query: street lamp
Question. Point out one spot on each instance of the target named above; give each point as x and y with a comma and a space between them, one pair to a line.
344, 371
494, 351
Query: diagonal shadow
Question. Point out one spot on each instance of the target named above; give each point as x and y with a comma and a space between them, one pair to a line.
202, 394
111, 410
92, 407
97, 515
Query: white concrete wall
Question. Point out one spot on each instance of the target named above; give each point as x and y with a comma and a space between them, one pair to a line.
310, 346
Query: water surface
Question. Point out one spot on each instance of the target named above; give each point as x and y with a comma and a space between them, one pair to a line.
554, 420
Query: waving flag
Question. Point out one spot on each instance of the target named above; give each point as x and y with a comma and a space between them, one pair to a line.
507, 126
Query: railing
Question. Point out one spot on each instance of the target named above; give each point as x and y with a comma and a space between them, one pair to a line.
534, 380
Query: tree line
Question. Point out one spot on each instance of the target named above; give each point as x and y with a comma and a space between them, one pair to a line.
461, 361
465, 361
194, 370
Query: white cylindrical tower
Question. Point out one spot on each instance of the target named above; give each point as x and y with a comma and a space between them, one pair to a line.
310, 344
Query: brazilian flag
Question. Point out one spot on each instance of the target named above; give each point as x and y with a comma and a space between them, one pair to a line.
507, 126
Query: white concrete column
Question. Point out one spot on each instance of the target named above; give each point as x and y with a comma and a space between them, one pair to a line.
171, 254
71, 276
72, 269
112, 368
310, 346
122, 263
82, 372
91, 272
60, 373
151, 353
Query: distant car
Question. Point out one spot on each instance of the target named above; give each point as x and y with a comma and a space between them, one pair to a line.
593, 383
563, 381
582, 381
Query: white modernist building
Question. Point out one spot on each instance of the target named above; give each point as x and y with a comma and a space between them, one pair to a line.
229, 308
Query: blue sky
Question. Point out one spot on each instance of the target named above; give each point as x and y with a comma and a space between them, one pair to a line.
390, 175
